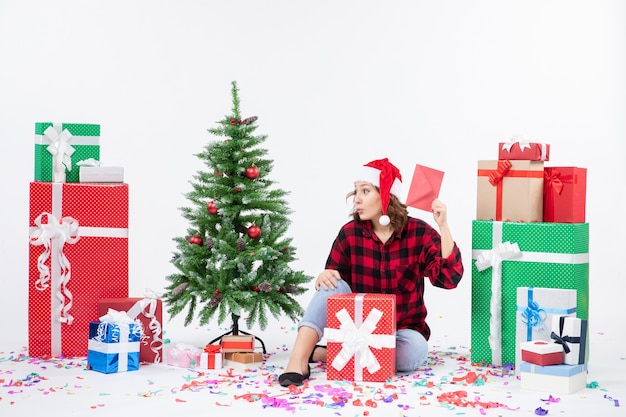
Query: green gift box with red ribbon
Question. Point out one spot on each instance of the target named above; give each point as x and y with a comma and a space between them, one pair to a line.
510, 190
564, 194
60, 146
509, 255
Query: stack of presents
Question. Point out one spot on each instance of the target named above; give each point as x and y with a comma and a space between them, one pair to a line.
78, 294
233, 351
530, 268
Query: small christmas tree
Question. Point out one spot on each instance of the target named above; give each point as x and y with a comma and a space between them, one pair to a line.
235, 258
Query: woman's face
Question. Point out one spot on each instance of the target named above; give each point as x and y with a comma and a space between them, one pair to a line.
367, 201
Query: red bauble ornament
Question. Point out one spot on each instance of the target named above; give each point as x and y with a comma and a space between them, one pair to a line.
211, 207
196, 240
237, 189
252, 172
254, 231
255, 288
217, 291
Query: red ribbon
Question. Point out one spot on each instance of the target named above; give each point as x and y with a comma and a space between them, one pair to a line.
497, 175
552, 180
212, 348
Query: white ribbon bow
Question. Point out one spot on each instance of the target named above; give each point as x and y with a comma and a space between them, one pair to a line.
493, 258
356, 341
60, 149
89, 162
52, 236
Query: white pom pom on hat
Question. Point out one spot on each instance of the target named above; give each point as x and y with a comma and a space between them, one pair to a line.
384, 175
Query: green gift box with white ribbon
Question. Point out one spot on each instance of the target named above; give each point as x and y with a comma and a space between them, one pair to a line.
60, 146
508, 255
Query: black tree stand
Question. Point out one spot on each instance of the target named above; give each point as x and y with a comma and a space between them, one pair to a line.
235, 331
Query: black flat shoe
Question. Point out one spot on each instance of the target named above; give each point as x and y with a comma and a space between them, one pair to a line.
294, 378
313, 352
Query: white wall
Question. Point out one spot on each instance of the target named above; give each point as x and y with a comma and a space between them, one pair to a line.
335, 84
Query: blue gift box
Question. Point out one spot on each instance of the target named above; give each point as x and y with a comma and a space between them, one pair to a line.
114, 347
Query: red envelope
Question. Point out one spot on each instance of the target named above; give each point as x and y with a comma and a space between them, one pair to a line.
425, 187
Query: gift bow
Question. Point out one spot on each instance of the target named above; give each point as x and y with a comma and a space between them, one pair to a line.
533, 316
150, 301
89, 162
212, 348
493, 257
356, 341
503, 168
564, 340
52, 236
60, 149
523, 140
552, 180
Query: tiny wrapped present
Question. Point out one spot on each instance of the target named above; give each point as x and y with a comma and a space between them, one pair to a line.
571, 334
510, 191
561, 379
212, 357
361, 340
237, 343
149, 310
536, 307
78, 254
183, 355
90, 170
59, 146
564, 194
243, 360
542, 353
114, 343
521, 148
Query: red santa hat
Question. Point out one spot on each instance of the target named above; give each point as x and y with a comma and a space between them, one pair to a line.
384, 175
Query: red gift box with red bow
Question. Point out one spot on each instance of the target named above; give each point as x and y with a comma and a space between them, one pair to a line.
564, 194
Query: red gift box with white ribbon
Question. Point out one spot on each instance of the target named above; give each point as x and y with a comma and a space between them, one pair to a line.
361, 337
148, 310
78, 254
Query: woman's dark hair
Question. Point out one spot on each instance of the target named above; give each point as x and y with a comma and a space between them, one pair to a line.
397, 211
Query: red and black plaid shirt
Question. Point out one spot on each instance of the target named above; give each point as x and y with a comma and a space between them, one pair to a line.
397, 267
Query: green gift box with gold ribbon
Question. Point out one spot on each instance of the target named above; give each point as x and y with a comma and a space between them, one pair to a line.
508, 255
60, 146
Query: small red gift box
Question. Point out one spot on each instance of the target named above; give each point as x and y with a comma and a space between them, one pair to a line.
238, 343
510, 191
564, 194
149, 311
361, 337
212, 357
529, 151
542, 353
78, 254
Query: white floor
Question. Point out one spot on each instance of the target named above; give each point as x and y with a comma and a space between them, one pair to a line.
30, 387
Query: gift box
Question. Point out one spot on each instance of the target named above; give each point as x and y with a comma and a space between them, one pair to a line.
211, 357
361, 341
101, 174
237, 343
564, 194
183, 355
114, 346
149, 311
78, 254
243, 360
519, 150
60, 146
510, 191
536, 308
571, 334
560, 379
542, 353
508, 255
